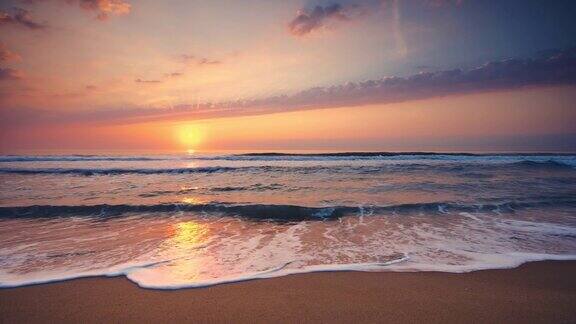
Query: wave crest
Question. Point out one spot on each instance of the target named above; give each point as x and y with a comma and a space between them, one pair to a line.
279, 212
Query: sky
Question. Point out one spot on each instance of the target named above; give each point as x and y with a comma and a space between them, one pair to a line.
442, 75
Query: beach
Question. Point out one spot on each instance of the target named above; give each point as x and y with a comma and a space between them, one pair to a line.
538, 292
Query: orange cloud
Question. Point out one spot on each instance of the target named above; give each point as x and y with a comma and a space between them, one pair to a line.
106, 8
7, 55
103, 8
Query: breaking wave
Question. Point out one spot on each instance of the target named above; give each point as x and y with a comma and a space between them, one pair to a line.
284, 212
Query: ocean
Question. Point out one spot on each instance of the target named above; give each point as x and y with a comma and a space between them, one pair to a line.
194, 220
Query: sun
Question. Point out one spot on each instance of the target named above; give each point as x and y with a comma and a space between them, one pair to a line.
190, 136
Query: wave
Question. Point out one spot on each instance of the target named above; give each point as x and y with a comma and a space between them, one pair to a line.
117, 171
383, 154
75, 158
550, 164
283, 212
255, 187
279, 271
400, 262
131, 272
365, 169
274, 156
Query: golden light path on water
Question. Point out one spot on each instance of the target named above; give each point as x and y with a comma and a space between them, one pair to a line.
182, 248
192, 201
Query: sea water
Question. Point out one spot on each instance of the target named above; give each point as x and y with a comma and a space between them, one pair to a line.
181, 220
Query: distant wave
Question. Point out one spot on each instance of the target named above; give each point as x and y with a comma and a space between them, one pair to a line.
268, 156
115, 171
348, 156
365, 169
352, 154
75, 158
284, 212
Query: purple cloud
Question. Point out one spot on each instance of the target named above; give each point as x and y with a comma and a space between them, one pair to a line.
20, 17
10, 74
306, 22
556, 68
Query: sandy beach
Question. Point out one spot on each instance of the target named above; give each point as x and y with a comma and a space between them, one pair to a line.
541, 292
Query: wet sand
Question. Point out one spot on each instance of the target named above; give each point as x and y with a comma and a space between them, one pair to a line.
541, 292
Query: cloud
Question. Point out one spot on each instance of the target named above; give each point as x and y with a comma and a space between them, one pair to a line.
20, 17
105, 8
10, 74
553, 69
307, 21
7, 55
165, 77
192, 59
173, 75
423, 67
206, 61
147, 81
443, 3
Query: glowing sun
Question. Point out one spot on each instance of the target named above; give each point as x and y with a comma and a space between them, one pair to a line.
190, 136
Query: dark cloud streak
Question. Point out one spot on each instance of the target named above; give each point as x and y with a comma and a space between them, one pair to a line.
192, 59
307, 21
147, 81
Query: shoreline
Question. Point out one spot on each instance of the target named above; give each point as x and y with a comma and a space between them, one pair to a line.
542, 291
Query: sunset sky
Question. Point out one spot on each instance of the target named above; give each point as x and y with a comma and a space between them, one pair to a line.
473, 75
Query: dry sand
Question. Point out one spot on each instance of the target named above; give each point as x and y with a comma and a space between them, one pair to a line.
542, 292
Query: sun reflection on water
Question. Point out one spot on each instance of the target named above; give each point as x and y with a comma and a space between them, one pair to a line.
192, 201
185, 250
189, 233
